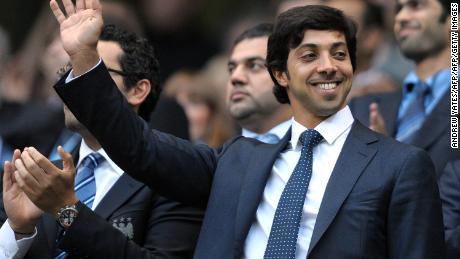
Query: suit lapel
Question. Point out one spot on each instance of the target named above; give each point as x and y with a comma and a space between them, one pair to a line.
435, 124
120, 192
353, 159
257, 172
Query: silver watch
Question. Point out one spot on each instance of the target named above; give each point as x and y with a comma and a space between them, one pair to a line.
67, 215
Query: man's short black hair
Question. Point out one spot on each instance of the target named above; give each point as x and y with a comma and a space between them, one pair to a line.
445, 9
260, 30
138, 62
289, 31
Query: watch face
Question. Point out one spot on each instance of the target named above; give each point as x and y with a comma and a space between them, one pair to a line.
67, 216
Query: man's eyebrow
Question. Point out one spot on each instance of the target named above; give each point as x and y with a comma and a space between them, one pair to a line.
338, 44
248, 59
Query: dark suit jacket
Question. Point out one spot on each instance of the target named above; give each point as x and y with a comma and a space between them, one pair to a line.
381, 201
449, 186
131, 221
433, 136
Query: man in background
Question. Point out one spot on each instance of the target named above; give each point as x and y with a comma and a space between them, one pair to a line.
117, 217
419, 113
250, 98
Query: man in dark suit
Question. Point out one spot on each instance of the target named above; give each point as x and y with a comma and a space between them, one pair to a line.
420, 113
122, 218
369, 197
449, 186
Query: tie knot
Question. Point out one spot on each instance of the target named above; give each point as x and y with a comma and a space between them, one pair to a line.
310, 138
92, 160
422, 89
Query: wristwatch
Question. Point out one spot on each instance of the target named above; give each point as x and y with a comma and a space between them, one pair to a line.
67, 215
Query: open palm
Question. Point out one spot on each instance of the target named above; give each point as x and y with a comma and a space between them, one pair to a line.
81, 28
20, 210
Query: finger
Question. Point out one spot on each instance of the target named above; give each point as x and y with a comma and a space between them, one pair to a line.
89, 4
32, 167
97, 5
42, 161
23, 184
60, 17
16, 155
67, 160
27, 179
7, 174
80, 5
68, 6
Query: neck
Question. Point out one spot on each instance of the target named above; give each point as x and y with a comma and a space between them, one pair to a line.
91, 141
431, 65
262, 125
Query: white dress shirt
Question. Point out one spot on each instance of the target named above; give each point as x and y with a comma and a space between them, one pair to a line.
279, 130
106, 175
335, 130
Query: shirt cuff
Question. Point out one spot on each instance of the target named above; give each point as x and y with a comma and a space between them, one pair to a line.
70, 76
12, 248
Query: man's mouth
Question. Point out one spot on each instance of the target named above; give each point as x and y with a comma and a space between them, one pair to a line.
328, 86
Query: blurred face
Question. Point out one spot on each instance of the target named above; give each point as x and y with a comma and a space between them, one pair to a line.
250, 88
198, 114
319, 76
418, 28
110, 52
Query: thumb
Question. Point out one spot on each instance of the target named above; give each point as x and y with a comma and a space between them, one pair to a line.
67, 159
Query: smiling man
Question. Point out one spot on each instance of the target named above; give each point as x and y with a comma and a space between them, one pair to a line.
331, 188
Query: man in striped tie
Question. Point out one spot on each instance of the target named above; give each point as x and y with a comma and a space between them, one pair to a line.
250, 98
419, 112
101, 212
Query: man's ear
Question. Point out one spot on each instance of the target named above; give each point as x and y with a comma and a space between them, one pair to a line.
281, 77
137, 94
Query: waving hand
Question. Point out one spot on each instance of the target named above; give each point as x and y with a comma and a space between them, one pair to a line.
80, 30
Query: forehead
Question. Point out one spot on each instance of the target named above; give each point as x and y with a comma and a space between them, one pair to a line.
254, 47
322, 38
110, 52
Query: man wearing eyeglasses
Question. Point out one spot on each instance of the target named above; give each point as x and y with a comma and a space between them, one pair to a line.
117, 217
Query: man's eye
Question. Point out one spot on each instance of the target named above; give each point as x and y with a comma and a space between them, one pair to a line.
308, 56
256, 66
230, 69
340, 55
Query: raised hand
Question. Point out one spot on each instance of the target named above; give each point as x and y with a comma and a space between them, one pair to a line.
21, 211
47, 186
80, 31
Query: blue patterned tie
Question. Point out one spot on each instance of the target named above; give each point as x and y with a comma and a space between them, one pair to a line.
282, 241
415, 114
85, 185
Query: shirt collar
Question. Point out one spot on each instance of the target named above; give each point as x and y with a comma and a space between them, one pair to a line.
279, 130
434, 82
331, 128
86, 150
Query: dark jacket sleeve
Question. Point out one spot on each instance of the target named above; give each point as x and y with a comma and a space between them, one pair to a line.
172, 166
449, 186
415, 215
171, 232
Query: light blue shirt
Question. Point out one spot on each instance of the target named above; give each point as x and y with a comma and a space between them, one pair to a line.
438, 84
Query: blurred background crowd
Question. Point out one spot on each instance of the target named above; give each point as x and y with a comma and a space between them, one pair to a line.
192, 39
